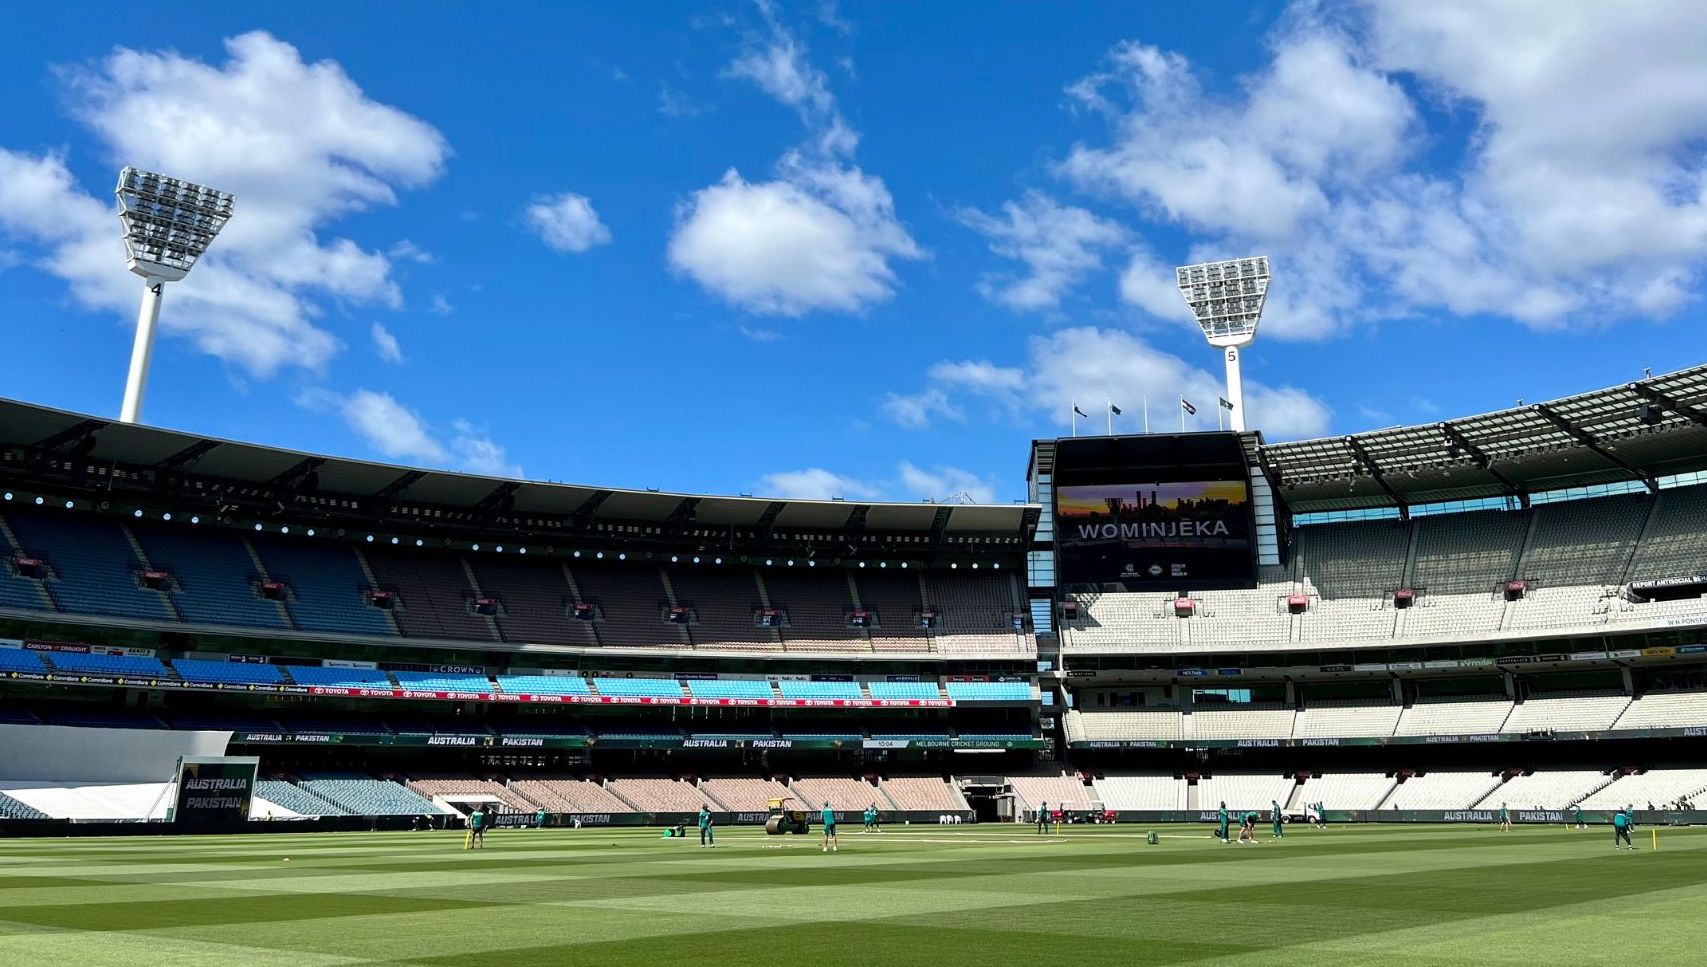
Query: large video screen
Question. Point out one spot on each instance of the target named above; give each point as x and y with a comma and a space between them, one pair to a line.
1145, 513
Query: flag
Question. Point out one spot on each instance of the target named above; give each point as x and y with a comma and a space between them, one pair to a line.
1079, 411
1185, 405
1226, 405
1114, 409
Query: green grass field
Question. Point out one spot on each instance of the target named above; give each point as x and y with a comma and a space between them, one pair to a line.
984, 895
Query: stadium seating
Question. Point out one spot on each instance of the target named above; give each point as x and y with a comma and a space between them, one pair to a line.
1254, 721
367, 796
630, 603
1656, 786
466, 788
822, 691
236, 672
742, 793
731, 688
896, 600
1347, 790
534, 599
20, 660
658, 794
17, 590
434, 592
1441, 789
1123, 622
1057, 789
1331, 719
1552, 789
1663, 710
644, 687
926, 793
93, 566
137, 666
1162, 723
989, 691
327, 585
1244, 791
568, 794
215, 578
442, 682
723, 603
839, 792
904, 691
1149, 792
295, 798
1453, 717
1675, 542
817, 609
544, 685
1572, 712
13, 809
339, 677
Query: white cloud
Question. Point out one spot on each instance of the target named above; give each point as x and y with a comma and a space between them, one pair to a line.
821, 234
815, 483
1088, 365
674, 103
911, 482
298, 143
818, 238
759, 335
1059, 245
567, 222
779, 67
1580, 198
476, 452
441, 306
397, 432
407, 251
916, 410
390, 427
940, 483
385, 344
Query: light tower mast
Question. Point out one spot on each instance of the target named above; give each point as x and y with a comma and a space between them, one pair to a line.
168, 225
1227, 300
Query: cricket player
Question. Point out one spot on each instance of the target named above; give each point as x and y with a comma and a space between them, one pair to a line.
1621, 831
1043, 817
1248, 828
707, 838
476, 829
830, 844
1275, 817
1221, 817
1577, 808
1505, 818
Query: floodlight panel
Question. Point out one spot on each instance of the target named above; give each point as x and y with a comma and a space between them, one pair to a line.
168, 222
1226, 297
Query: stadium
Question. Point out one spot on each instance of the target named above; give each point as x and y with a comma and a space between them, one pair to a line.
1251, 692
1422, 625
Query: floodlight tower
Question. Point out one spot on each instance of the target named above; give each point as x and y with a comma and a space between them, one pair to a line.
168, 224
1227, 299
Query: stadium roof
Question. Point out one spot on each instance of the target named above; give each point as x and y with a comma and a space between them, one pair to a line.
1639, 431
37, 442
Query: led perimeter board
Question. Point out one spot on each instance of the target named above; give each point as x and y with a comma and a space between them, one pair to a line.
1153, 512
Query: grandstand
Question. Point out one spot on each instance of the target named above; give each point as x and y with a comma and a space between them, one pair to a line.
402, 643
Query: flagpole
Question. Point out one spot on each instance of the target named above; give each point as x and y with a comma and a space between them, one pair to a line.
1110, 413
1182, 414
1220, 411
1146, 412
1074, 417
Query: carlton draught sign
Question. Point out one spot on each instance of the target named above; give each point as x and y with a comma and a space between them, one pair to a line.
214, 789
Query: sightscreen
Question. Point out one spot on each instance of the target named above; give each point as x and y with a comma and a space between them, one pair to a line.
214, 789
1152, 512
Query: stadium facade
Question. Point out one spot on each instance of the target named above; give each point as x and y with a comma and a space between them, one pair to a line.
1428, 620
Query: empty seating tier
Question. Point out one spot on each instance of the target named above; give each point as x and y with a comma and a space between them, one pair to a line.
92, 567
215, 581
327, 587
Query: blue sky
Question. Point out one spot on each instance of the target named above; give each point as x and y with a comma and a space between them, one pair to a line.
854, 249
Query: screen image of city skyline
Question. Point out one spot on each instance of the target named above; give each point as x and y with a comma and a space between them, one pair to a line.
1086, 499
